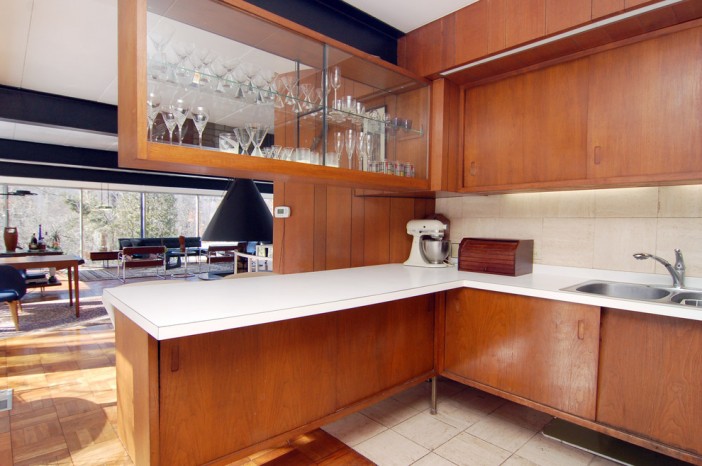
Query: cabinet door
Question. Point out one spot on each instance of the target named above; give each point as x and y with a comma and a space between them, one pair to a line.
542, 350
645, 108
650, 380
527, 129
565, 14
525, 20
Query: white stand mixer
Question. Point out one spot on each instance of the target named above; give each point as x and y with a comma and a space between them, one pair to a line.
424, 230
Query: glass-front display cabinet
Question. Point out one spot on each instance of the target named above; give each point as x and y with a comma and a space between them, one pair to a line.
224, 88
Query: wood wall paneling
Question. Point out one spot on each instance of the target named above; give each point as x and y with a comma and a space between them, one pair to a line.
650, 377
338, 228
602, 8
358, 228
401, 212
430, 48
444, 159
525, 21
497, 26
297, 251
471, 38
320, 227
644, 107
565, 14
376, 231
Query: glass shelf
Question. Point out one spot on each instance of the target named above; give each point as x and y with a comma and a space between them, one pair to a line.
262, 74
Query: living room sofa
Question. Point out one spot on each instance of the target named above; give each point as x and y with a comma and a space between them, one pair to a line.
172, 258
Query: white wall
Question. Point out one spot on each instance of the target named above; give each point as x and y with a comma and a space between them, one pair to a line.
593, 229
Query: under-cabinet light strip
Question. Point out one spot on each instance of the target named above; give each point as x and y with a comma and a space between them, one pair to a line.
572, 32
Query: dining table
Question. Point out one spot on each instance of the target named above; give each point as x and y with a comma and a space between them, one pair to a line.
64, 261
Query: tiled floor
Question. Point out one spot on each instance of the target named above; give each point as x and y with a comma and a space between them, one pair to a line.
470, 428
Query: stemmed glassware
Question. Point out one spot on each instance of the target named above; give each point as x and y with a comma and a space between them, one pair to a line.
335, 79
170, 119
153, 104
306, 90
257, 132
339, 143
181, 109
350, 136
362, 149
243, 138
200, 117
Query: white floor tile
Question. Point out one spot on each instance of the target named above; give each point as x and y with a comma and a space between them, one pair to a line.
466, 450
426, 430
501, 432
515, 460
432, 459
458, 413
449, 388
391, 449
390, 412
354, 429
547, 452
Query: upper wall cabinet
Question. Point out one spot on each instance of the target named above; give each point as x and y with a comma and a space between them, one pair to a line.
492, 37
224, 88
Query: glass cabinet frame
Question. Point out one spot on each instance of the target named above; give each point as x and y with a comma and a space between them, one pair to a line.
393, 112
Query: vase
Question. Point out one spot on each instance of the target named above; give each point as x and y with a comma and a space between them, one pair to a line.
10, 236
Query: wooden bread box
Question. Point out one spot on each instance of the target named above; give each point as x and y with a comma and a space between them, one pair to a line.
497, 256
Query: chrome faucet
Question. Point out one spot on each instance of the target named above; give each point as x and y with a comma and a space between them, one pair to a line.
677, 271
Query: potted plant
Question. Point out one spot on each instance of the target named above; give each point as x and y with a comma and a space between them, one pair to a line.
55, 240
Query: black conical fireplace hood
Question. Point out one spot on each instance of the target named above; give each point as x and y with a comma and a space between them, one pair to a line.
241, 216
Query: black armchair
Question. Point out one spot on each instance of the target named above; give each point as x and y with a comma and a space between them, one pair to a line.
12, 289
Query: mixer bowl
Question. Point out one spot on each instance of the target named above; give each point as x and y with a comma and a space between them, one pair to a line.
434, 251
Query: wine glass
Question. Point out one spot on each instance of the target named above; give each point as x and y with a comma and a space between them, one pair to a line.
257, 132
153, 104
361, 148
243, 138
339, 143
200, 116
181, 109
350, 140
306, 90
335, 79
170, 119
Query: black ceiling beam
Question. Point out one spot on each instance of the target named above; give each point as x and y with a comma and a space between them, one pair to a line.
55, 110
340, 21
47, 161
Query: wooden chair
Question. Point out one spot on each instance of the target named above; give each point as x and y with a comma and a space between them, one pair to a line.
142, 257
223, 254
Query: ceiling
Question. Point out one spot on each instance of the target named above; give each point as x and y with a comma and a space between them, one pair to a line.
69, 48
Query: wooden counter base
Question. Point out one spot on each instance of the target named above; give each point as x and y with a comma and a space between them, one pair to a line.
216, 397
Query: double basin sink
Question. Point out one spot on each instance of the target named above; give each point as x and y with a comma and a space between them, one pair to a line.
652, 293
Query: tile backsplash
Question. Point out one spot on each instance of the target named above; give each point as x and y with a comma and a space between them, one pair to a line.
592, 229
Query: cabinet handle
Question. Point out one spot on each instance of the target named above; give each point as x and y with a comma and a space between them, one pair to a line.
473, 168
175, 358
598, 155
581, 330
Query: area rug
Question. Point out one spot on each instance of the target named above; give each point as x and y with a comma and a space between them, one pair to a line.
43, 316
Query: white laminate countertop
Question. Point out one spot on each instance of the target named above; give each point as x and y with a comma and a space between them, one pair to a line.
175, 308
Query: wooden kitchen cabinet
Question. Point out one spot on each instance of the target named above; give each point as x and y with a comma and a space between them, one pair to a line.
529, 128
216, 397
650, 377
645, 108
541, 350
566, 14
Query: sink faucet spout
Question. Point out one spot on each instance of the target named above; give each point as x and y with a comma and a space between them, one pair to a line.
677, 271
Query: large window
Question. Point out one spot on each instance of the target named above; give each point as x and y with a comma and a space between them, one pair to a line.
94, 218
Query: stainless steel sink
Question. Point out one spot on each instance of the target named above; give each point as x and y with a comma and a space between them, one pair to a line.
660, 294
622, 290
688, 298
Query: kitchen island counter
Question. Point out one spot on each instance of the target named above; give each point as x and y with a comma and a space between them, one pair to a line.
182, 308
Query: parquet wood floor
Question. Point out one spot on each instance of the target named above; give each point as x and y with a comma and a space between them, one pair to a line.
64, 404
